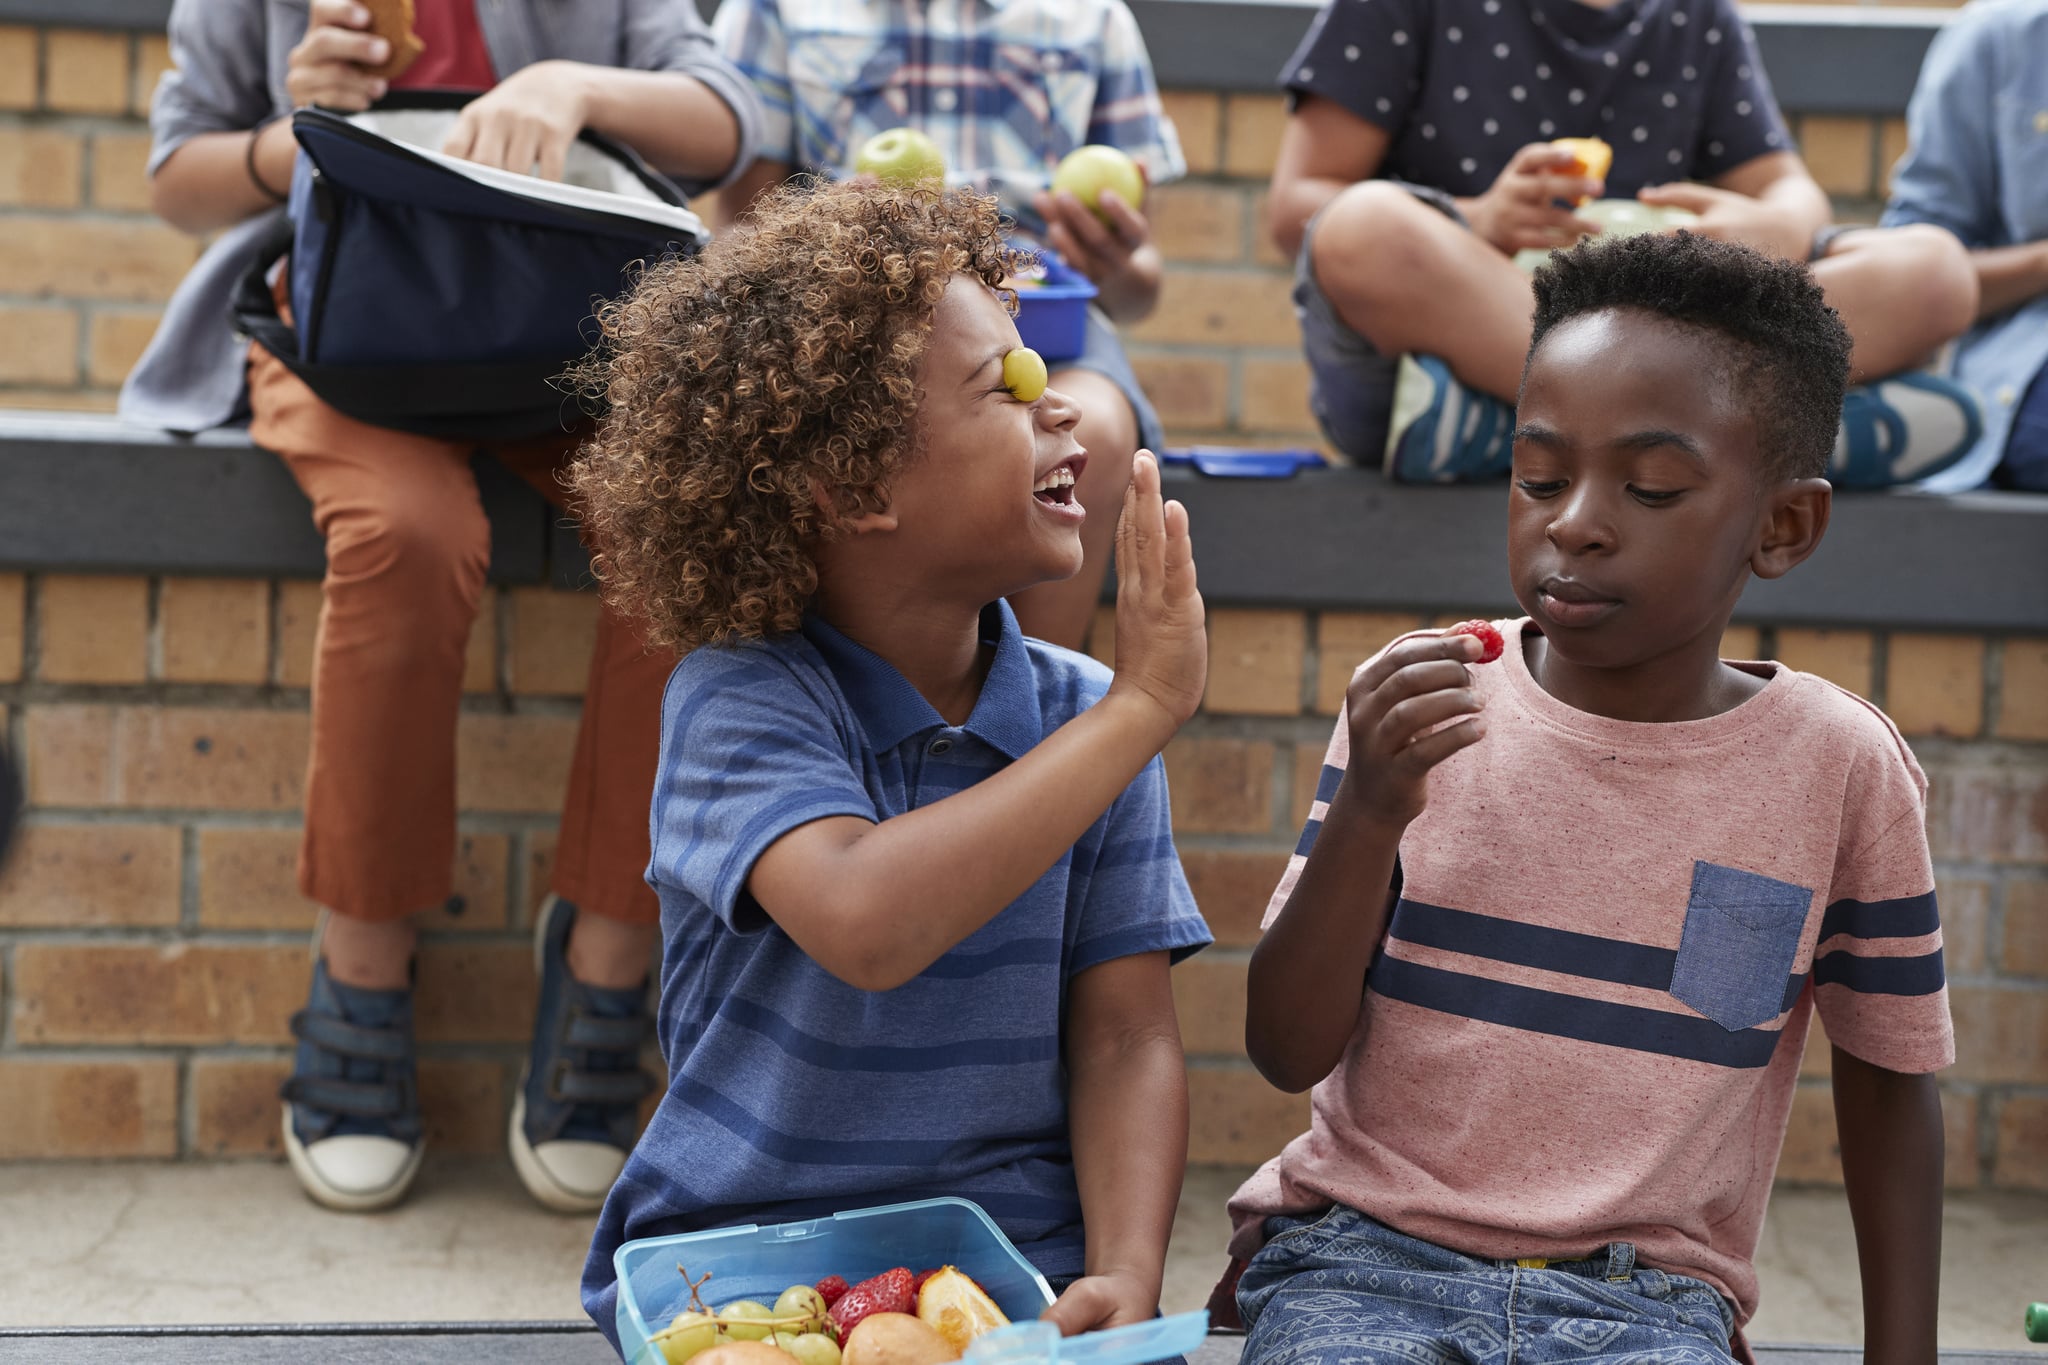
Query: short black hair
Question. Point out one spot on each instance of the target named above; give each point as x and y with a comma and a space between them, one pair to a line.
1785, 346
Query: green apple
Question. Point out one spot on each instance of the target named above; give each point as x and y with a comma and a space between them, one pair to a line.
902, 155
1087, 171
738, 1319
687, 1335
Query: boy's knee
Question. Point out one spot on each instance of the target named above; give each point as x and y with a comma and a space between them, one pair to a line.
1929, 276
419, 547
1375, 242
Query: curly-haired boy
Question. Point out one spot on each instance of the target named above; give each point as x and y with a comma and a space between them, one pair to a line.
1592, 894
918, 884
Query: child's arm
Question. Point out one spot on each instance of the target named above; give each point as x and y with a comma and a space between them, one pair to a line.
875, 904
1308, 972
1889, 1125
1127, 1101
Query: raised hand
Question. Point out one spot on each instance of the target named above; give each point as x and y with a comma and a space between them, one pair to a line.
1162, 651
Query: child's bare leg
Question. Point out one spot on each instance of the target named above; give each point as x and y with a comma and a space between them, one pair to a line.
1407, 278
1061, 612
1903, 292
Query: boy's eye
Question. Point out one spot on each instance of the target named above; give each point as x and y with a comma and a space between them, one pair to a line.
1650, 496
1024, 374
1539, 488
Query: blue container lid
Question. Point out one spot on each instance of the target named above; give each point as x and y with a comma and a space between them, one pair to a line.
1040, 1343
1230, 462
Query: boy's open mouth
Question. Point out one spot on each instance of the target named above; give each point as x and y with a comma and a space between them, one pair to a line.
1056, 487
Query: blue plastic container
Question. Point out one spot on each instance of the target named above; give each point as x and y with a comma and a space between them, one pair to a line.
1052, 318
760, 1262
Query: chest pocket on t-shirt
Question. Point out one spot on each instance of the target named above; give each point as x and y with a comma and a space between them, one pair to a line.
1742, 933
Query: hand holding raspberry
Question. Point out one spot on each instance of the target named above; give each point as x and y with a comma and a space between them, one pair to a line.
1407, 711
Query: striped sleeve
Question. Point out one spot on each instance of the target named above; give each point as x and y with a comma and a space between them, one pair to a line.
1878, 977
1128, 114
1334, 759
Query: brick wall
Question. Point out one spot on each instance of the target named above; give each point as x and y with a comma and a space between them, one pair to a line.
85, 269
152, 943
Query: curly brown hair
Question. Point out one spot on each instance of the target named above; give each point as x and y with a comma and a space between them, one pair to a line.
780, 363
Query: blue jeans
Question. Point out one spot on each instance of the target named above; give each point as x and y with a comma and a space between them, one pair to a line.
1345, 1290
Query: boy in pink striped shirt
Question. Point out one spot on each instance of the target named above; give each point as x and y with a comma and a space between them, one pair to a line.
1557, 926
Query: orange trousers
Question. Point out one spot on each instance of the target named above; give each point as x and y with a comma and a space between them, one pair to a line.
407, 549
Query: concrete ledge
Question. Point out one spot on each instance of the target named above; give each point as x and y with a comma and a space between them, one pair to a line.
82, 494
1822, 58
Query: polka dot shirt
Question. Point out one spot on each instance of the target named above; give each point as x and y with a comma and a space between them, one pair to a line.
1674, 85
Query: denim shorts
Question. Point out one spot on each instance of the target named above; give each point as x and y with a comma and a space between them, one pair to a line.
1351, 385
1345, 1289
1103, 352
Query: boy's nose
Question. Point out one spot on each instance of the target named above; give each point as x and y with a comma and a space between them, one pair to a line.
1057, 410
1581, 523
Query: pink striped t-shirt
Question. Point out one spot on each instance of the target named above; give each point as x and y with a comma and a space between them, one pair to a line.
1587, 1018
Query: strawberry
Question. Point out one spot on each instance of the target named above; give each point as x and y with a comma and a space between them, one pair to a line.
888, 1292
917, 1285
1488, 635
832, 1289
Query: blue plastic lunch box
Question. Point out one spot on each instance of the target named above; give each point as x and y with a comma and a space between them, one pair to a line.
1052, 317
760, 1262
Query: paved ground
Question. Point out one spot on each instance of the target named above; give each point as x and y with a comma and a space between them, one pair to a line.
196, 1243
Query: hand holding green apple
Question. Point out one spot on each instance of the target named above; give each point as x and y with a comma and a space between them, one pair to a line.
1087, 171
1092, 220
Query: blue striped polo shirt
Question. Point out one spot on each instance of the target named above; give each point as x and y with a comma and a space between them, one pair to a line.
792, 1094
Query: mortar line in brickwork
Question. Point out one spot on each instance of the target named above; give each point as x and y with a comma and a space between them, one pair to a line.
1994, 685
1312, 661
153, 629
188, 877
168, 695
187, 1107
273, 644
31, 636
504, 617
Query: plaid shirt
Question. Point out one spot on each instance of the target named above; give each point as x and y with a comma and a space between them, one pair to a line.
1004, 87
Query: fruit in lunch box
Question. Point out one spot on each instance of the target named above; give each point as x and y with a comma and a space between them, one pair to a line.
1490, 643
743, 1353
1025, 377
957, 1308
888, 1292
737, 1320
1087, 171
688, 1334
810, 1348
832, 1289
896, 1339
902, 156
1594, 156
801, 1301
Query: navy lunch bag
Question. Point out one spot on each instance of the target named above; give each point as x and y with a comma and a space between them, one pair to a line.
443, 298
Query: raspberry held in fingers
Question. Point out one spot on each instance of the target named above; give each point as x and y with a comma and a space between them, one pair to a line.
1490, 642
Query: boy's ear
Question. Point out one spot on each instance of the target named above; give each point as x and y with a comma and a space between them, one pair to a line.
860, 522
1794, 522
